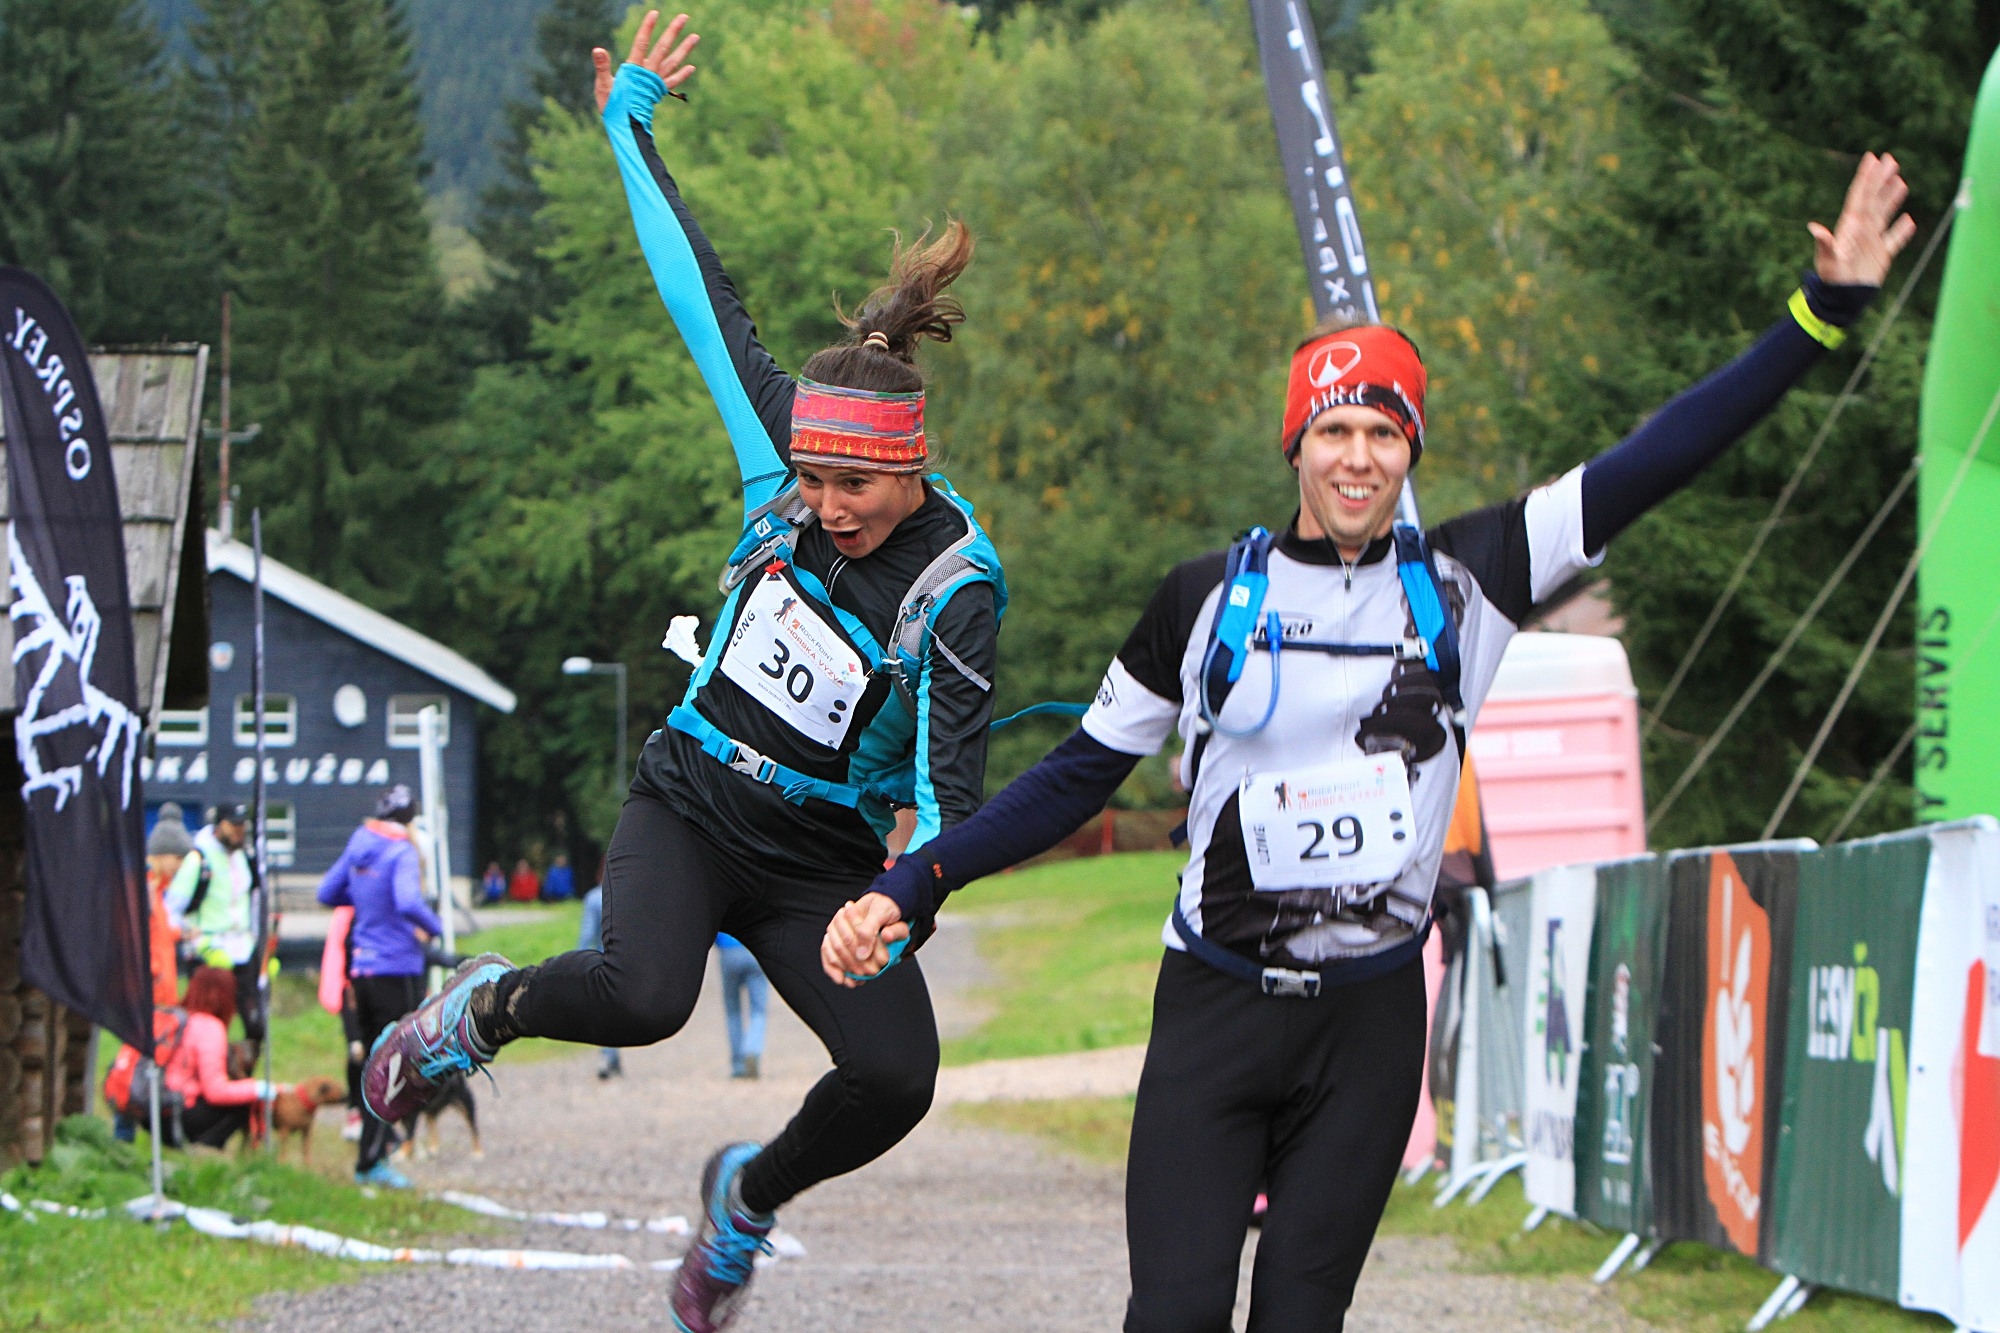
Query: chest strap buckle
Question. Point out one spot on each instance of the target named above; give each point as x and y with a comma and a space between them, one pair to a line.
1285, 982
753, 765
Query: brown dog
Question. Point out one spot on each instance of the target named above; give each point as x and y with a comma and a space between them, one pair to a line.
294, 1111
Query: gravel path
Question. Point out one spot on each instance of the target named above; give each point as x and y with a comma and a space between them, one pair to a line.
957, 1229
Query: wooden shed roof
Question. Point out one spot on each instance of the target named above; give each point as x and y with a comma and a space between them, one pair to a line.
152, 409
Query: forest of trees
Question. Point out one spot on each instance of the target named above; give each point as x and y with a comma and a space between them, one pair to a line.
1575, 209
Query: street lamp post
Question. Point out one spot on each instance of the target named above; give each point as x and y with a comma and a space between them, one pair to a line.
583, 666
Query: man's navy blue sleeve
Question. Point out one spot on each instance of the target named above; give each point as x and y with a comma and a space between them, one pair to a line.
1035, 812
1688, 434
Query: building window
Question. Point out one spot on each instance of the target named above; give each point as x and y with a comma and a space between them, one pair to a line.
403, 726
281, 720
183, 726
281, 832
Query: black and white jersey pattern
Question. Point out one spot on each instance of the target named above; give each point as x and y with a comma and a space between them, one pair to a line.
1495, 564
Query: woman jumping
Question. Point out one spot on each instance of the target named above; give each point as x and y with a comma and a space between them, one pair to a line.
849, 673
1323, 681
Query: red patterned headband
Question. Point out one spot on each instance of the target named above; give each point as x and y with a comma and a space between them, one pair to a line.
858, 428
1371, 365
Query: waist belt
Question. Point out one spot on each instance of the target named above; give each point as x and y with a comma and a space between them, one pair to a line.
1283, 981
794, 785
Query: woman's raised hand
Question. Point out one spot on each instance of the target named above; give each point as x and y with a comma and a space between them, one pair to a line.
667, 57
1872, 227
858, 938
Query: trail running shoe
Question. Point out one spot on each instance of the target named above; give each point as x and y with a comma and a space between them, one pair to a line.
715, 1274
383, 1176
421, 1049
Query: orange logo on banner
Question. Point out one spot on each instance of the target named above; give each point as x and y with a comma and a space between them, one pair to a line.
1732, 1065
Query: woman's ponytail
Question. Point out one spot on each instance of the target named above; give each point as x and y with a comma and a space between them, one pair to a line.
881, 353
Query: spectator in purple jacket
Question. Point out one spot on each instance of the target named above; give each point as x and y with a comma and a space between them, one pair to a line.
378, 877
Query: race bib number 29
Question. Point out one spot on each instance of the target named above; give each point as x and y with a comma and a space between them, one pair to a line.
785, 655
1345, 825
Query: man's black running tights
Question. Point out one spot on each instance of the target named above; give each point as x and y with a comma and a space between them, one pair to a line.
1310, 1099
667, 890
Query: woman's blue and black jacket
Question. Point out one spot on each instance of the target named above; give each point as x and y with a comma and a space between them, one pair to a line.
923, 610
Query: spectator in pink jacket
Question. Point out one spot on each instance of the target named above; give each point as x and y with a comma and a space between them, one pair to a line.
217, 1105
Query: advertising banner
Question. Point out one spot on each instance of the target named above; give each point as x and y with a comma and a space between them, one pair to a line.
1951, 1160
1564, 913
1836, 1198
1502, 1015
1722, 1025
1309, 147
77, 732
1615, 1089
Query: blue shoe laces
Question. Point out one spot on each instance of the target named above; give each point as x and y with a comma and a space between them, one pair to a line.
733, 1252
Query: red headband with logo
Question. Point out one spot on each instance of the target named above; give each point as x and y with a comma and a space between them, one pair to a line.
856, 428
1371, 365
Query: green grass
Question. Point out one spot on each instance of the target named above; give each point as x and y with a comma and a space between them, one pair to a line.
1688, 1288
115, 1273
1097, 1129
1076, 946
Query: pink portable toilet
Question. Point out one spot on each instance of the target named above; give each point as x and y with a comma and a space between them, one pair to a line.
1557, 745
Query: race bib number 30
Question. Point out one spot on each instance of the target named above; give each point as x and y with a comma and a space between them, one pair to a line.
1345, 825
794, 663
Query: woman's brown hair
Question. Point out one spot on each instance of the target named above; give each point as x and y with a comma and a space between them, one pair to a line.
211, 991
907, 309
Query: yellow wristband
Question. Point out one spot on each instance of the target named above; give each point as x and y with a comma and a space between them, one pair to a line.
1821, 332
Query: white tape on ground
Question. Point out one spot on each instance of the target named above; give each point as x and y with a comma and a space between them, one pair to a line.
592, 1221
212, 1222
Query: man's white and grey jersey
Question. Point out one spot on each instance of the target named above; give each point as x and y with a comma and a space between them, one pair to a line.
1494, 563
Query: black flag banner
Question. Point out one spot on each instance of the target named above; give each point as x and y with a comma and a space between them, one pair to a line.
1315, 171
77, 728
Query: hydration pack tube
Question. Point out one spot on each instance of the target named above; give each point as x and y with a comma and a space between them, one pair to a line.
1041, 710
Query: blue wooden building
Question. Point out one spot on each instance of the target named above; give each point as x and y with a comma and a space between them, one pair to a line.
343, 689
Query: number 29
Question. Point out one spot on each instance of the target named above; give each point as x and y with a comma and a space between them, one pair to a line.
1346, 830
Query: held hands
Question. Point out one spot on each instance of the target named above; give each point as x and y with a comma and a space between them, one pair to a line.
1872, 229
858, 939
663, 57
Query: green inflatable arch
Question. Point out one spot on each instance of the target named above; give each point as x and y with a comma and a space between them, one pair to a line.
1957, 747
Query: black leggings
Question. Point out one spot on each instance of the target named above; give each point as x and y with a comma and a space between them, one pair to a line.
378, 1003
667, 891
1314, 1097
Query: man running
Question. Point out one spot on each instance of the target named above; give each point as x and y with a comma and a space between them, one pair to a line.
1323, 682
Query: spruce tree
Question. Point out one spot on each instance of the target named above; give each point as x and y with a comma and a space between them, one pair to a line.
340, 349
525, 285
91, 164
1751, 115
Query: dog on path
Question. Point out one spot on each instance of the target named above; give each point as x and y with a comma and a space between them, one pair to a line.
294, 1111
452, 1093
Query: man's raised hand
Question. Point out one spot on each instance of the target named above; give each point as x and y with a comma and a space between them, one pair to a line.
664, 57
858, 938
1872, 228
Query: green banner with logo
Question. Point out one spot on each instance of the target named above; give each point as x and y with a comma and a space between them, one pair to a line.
1837, 1211
1627, 957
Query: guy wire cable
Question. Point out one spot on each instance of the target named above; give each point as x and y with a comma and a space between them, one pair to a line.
1784, 648
1882, 621
1798, 476
1874, 781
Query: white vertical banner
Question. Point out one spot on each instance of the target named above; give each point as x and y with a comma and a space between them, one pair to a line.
430, 776
1951, 1152
1564, 912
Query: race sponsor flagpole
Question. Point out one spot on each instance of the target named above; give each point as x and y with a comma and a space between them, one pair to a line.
266, 900
78, 728
1316, 172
